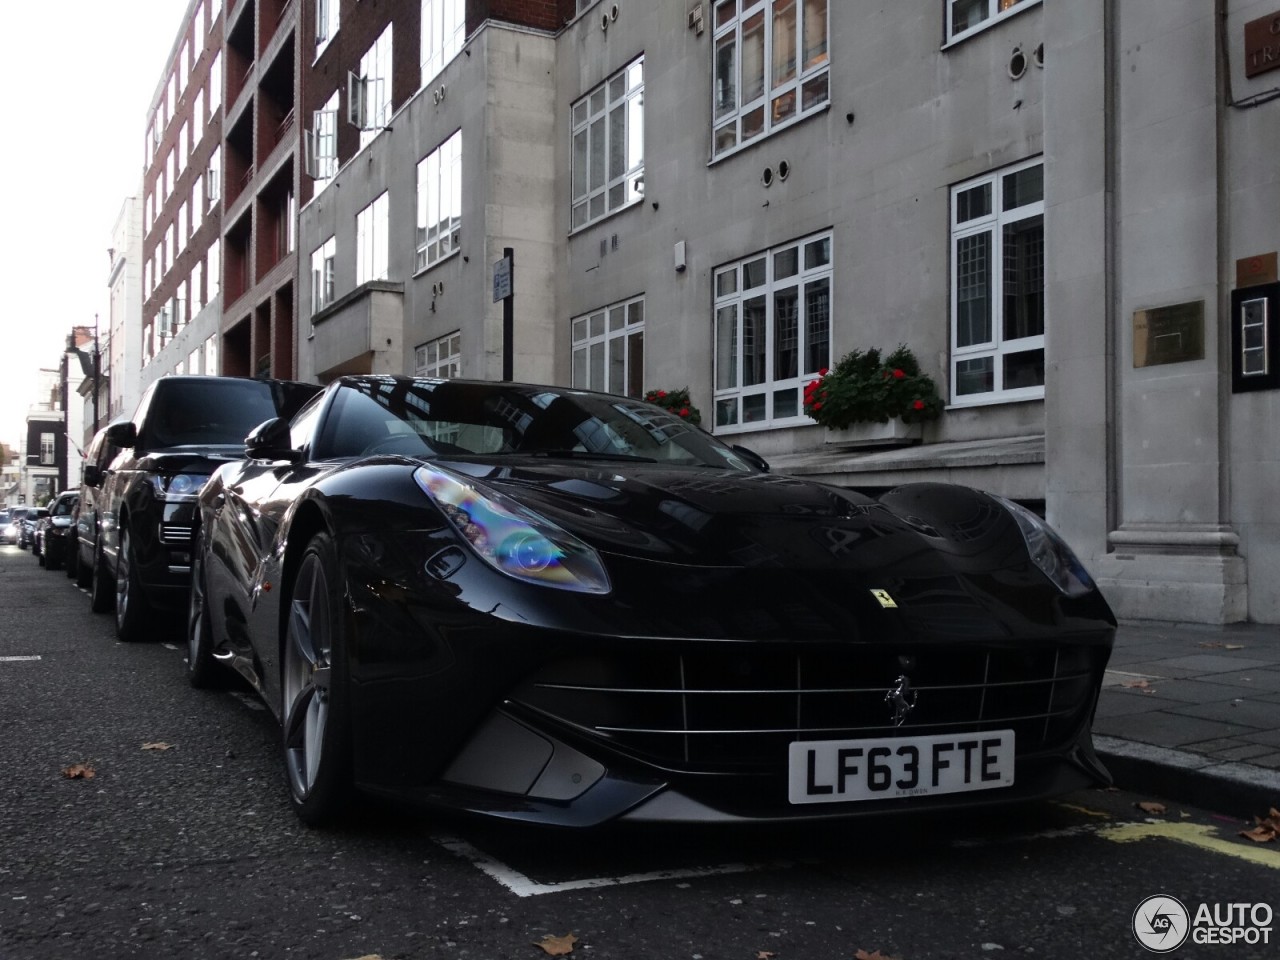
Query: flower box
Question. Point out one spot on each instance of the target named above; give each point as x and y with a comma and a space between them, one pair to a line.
893, 433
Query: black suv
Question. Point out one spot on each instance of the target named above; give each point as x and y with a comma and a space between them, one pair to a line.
143, 500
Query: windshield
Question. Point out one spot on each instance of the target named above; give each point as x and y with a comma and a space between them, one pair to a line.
213, 411
424, 418
63, 508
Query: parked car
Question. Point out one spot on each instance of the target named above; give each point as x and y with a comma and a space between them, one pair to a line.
12, 525
97, 461
144, 498
54, 531
27, 531
552, 605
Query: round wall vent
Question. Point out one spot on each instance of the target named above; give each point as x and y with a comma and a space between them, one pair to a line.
1017, 63
784, 170
767, 177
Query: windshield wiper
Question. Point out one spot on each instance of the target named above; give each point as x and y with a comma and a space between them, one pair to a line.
585, 455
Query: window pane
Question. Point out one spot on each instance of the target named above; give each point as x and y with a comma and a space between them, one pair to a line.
579, 164
967, 13
580, 368
815, 33
753, 341
727, 347
597, 366
726, 282
1024, 278
753, 123
753, 58
817, 253
817, 313
617, 141
975, 376
635, 364
596, 177
727, 412
786, 403
815, 92
973, 290
973, 203
617, 365
784, 43
726, 81
753, 274
754, 408
786, 263
1024, 369
1023, 187
786, 333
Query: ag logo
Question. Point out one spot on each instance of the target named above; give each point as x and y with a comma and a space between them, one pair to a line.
1161, 923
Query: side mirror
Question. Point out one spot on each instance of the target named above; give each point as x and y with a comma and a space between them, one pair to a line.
122, 434
753, 458
269, 440
92, 475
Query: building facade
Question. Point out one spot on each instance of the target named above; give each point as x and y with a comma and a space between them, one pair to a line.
182, 198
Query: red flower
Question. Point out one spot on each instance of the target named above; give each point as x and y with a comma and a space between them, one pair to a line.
684, 411
818, 405
918, 405
898, 374
662, 394
822, 372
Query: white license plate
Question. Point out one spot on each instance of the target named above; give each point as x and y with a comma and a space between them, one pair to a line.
830, 771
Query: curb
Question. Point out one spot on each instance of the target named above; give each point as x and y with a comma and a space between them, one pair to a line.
1238, 790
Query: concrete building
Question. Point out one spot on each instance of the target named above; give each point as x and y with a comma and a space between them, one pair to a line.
182, 193
1066, 210
119, 334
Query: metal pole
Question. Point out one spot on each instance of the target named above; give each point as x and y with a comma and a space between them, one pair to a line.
508, 321
97, 376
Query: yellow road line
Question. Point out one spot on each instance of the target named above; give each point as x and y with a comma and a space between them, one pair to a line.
1194, 834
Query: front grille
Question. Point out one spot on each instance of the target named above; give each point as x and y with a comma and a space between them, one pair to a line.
738, 709
176, 534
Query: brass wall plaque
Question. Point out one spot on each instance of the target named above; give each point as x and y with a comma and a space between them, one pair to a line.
1252, 271
1169, 334
1262, 44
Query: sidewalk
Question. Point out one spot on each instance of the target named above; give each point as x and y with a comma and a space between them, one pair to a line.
1192, 712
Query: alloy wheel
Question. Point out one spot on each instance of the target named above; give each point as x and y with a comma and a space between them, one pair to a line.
305, 687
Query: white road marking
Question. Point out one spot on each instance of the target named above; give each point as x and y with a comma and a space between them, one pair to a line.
18, 659
523, 886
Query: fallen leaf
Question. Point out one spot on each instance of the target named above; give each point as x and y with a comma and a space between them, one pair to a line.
369, 956
159, 745
557, 946
79, 771
764, 955
1233, 646
1265, 828
1211, 644
1150, 806
1135, 684
877, 955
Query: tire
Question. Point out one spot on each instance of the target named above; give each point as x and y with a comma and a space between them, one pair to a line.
132, 608
203, 671
72, 564
102, 594
314, 697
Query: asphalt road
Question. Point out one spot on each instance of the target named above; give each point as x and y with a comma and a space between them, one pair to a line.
191, 851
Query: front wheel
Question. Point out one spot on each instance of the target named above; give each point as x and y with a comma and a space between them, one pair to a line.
313, 689
202, 669
131, 603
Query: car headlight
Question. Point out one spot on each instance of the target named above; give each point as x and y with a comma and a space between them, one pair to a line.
1050, 552
513, 539
179, 486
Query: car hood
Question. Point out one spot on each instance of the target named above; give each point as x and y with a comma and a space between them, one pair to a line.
722, 518
190, 459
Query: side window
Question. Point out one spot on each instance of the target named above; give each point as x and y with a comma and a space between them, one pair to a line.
304, 424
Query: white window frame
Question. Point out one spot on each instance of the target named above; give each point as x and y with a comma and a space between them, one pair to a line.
608, 346
771, 272
781, 100
48, 448
439, 228
213, 178
215, 83
320, 144
373, 236
323, 260
327, 23
599, 185
992, 12
213, 270
443, 33
996, 346
440, 358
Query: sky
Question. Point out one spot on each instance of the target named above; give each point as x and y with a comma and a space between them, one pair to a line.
70, 158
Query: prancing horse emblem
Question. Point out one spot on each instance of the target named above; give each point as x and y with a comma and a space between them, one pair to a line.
902, 698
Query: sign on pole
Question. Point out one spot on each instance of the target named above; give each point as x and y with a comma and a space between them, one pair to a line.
501, 279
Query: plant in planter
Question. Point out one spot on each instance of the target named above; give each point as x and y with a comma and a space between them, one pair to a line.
675, 401
865, 388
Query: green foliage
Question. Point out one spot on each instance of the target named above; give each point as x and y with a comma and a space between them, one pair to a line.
675, 401
863, 387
